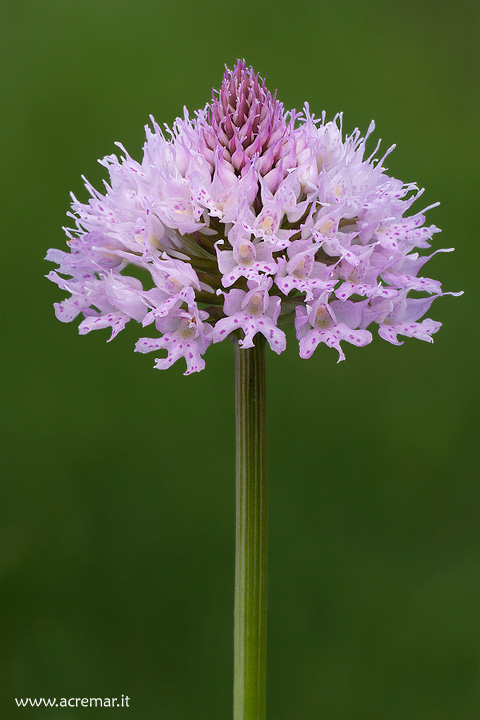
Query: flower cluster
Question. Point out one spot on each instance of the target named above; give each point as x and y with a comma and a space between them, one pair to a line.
240, 220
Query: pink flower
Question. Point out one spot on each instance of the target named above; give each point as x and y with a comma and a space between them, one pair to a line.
330, 323
235, 218
253, 312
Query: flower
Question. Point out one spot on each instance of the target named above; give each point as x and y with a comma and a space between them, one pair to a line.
243, 217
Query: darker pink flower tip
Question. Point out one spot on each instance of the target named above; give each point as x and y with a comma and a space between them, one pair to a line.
245, 121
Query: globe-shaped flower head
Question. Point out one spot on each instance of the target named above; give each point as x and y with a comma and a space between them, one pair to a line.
240, 220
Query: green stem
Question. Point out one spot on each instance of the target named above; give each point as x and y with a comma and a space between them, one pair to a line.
250, 615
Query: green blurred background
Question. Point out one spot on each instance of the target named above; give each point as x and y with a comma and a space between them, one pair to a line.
118, 495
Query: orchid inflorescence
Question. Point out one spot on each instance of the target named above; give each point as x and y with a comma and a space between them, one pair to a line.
243, 219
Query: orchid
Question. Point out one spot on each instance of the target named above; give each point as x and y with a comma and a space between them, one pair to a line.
246, 195
236, 222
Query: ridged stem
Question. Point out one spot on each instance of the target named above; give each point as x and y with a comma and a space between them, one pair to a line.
250, 614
